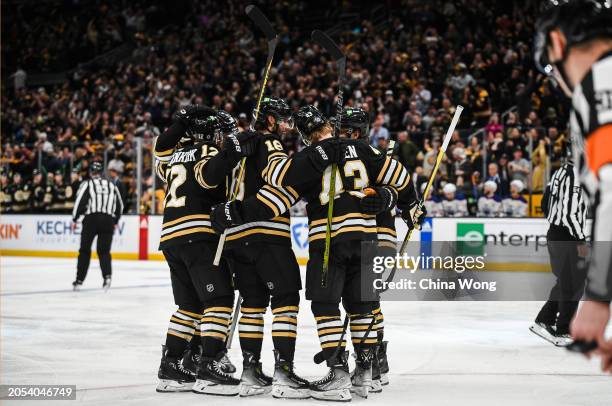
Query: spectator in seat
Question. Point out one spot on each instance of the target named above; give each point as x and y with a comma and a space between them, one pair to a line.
489, 204
519, 166
432, 203
515, 205
378, 131
453, 204
407, 151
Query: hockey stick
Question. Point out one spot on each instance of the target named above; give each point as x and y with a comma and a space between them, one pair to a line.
319, 357
264, 25
441, 152
230, 334
326, 42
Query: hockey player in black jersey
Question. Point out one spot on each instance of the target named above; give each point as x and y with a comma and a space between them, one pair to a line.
307, 174
203, 293
265, 268
354, 124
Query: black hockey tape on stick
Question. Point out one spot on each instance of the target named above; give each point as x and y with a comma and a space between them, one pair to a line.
326, 42
319, 357
582, 347
261, 21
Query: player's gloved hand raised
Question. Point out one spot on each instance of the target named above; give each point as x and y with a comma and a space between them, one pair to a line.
188, 113
327, 152
377, 200
240, 146
225, 215
414, 215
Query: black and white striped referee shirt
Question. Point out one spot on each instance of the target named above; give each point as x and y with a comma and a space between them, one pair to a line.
98, 195
567, 204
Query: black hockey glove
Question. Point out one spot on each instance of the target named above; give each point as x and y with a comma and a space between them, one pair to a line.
377, 200
327, 152
225, 215
240, 146
186, 114
414, 215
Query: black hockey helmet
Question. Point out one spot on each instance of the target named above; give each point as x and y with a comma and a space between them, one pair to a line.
96, 168
308, 119
201, 129
277, 108
355, 118
578, 20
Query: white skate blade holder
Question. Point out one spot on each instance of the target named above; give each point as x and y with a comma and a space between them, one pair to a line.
287, 392
333, 395
253, 390
168, 385
205, 387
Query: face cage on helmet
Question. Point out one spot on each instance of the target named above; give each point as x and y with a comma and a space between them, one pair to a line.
305, 139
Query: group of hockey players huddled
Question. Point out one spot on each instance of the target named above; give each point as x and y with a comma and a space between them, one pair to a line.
490, 204
221, 181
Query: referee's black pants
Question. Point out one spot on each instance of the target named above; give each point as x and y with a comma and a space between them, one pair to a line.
569, 287
101, 225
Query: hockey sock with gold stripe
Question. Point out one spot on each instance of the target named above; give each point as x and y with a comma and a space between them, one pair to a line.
250, 328
181, 330
284, 325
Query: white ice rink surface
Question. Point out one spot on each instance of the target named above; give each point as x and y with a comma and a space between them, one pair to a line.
108, 345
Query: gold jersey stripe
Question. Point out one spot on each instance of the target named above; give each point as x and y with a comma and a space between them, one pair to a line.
344, 230
187, 231
268, 203
185, 218
383, 171
258, 231
164, 153
342, 218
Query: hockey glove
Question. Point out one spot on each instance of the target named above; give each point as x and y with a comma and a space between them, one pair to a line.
327, 152
186, 114
225, 215
377, 200
414, 215
240, 146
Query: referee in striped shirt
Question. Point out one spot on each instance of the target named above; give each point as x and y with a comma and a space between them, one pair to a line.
99, 200
565, 206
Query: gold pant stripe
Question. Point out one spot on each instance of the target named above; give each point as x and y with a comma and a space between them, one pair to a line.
251, 335
284, 334
333, 344
285, 309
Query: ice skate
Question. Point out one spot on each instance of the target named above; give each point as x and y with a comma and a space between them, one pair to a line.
107, 283
213, 381
361, 378
546, 331
191, 360
77, 285
172, 376
383, 364
285, 383
376, 386
336, 385
253, 381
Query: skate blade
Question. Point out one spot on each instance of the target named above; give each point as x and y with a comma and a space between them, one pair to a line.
287, 392
252, 390
167, 385
361, 391
334, 395
542, 333
384, 379
376, 386
210, 388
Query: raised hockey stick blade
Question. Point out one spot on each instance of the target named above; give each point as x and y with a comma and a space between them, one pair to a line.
264, 25
432, 176
326, 42
261, 21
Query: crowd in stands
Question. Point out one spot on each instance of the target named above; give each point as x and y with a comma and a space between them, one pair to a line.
408, 70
